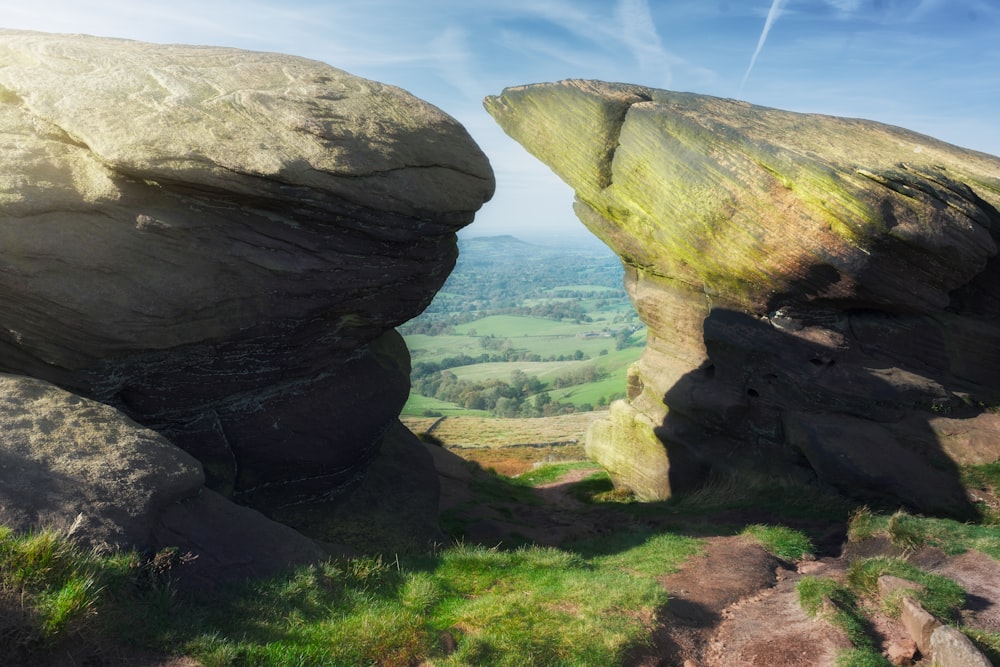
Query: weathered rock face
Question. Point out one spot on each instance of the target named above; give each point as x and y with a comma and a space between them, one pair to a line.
85, 470
821, 293
220, 243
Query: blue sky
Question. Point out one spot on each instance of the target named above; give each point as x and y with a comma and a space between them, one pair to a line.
930, 65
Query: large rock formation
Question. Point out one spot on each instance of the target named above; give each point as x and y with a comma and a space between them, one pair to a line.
219, 243
822, 293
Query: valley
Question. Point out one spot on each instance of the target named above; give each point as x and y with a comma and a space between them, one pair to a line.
523, 330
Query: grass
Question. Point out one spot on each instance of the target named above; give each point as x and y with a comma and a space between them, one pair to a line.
547, 474
517, 327
589, 602
939, 595
435, 348
459, 606
545, 337
913, 532
840, 606
417, 405
592, 392
987, 642
745, 490
495, 432
985, 478
782, 541
53, 592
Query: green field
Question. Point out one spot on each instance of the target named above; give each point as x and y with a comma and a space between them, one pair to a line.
590, 393
544, 370
515, 326
435, 348
524, 316
614, 364
417, 405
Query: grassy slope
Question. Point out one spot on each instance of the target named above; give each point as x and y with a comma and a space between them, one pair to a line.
416, 405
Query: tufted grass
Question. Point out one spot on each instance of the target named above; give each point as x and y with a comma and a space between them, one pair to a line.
910, 532
462, 605
782, 541
51, 591
940, 596
839, 605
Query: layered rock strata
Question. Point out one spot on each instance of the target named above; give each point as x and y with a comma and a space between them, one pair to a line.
821, 293
219, 243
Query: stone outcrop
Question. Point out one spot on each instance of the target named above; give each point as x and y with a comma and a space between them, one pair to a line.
85, 470
219, 243
821, 293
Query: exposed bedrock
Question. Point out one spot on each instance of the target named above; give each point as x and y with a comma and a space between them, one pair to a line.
822, 293
219, 243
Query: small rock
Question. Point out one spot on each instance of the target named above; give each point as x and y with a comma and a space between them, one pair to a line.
902, 652
918, 623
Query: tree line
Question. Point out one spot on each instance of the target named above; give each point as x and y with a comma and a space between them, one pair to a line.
523, 396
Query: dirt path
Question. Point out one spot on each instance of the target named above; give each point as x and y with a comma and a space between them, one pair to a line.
735, 604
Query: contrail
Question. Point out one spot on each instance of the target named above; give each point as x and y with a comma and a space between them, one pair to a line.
772, 16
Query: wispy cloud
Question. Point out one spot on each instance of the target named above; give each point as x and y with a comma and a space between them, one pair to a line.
581, 60
642, 39
845, 6
772, 16
454, 60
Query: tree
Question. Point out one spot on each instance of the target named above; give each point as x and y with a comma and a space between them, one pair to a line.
542, 399
507, 407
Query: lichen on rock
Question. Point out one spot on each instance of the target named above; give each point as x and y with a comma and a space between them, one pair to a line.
820, 292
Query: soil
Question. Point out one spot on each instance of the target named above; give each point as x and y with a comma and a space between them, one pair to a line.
734, 604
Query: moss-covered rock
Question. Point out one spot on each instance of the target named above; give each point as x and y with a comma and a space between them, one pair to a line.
792, 268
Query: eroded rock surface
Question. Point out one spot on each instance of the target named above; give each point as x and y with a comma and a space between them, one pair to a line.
220, 242
822, 293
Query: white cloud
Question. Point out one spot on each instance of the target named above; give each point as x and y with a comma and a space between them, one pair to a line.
772, 16
454, 61
581, 60
642, 39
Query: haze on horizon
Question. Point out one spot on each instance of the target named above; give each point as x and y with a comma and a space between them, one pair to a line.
932, 66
